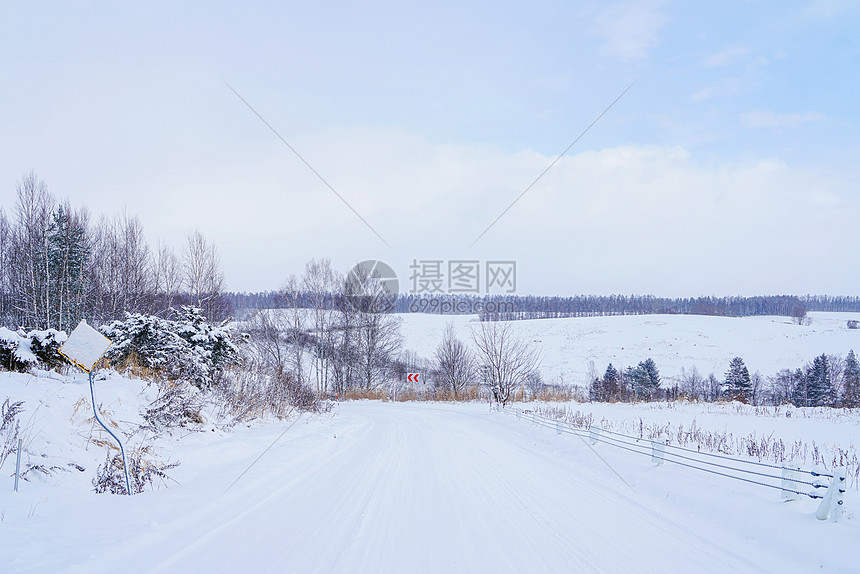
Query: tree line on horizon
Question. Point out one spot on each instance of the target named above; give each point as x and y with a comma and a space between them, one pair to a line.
518, 307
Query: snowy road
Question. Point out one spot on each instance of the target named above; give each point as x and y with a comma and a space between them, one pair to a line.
383, 487
411, 488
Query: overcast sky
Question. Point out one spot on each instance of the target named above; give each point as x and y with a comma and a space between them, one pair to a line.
730, 167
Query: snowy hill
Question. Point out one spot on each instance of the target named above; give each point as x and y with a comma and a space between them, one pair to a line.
767, 344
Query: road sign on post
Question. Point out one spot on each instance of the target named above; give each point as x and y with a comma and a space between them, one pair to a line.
84, 347
412, 377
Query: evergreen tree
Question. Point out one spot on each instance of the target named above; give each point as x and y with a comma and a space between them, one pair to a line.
643, 379
650, 380
738, 385
851, 380
67, 259
800, 388
819, 387
611, 383
634, 378
596, 392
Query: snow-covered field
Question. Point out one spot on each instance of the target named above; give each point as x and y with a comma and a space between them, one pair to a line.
394, 487
422, 487
767, 344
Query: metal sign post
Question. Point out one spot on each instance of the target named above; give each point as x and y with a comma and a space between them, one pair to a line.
104, 426
84, 347
412, 378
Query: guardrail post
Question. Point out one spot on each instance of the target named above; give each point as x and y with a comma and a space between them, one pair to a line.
519, 413
18, 465
789, 486
594, 435
557, 426
832, 503
658, 452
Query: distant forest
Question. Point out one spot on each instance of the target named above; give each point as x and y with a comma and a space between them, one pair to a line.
513, 307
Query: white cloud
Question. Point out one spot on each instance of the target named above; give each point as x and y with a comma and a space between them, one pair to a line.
646, 219
827, 9
625, 219
726, 57
723, 89
769, 119
629, 29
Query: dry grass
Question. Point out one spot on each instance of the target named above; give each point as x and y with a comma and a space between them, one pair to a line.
761, 448
370, 394
132, 367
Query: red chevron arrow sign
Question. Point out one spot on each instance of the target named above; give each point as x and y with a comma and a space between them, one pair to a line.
412, 377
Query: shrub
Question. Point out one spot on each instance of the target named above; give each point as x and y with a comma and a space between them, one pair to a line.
9, 428
177, 405
186, 348
20, 350
142, 472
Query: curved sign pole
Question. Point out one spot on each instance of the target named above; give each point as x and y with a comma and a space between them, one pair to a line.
84, 347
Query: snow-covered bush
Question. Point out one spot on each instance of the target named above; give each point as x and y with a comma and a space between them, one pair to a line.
20, 350
143, 470
177, 405
186, 348
253, 391
46, 346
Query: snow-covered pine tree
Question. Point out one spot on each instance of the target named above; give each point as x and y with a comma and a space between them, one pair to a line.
851, 381
68, 256
820, 390
800, 388
738, 385
611, 382
595, 391
651, 380
634, 380
188, 348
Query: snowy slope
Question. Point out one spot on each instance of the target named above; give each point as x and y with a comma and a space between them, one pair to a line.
57, 425
767, 344
384, 487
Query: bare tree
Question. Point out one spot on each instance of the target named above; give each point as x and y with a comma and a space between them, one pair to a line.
319, 285
204, 279
693, 384
294, 322
270, 340
455, 362
121, 271
6, 309
798, 314
713, 388
756, 388
372, 332
167, 275
29, 276
378, 342
507, 361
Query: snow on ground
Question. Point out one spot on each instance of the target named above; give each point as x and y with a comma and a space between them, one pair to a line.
391, 487
385, 487
821, 425
767, 344
810, 438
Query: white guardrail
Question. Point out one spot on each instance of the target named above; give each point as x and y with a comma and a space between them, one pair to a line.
792, 481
